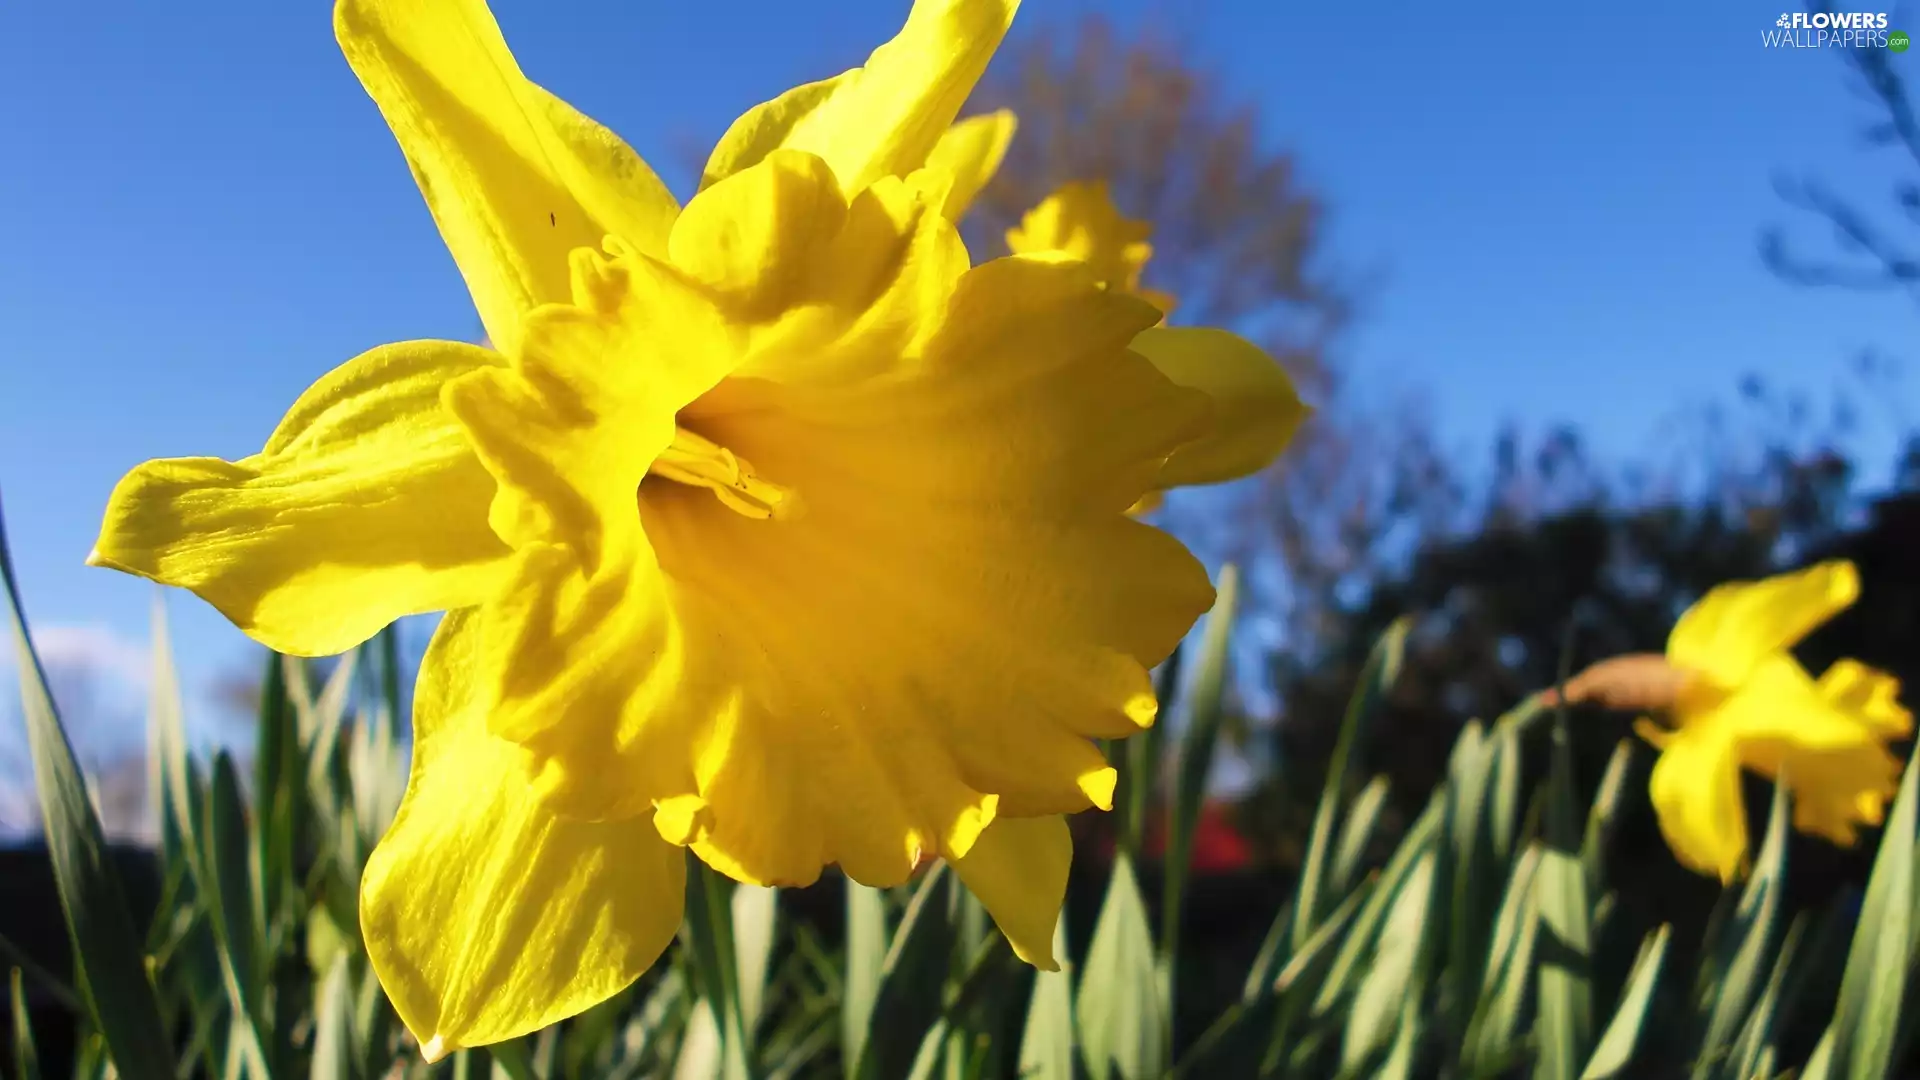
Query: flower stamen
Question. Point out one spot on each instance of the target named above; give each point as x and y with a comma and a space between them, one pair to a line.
699, 462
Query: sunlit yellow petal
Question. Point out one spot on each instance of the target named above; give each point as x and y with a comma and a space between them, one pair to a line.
570, 431
1019, 871
765, 127
1255, 408
971, 151
1871, 695
365, 505
1696, 796
957, 447
1737, 624
857, 608
515, 177
485, 916
885, 118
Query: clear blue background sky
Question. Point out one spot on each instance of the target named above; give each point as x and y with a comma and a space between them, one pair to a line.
201, 212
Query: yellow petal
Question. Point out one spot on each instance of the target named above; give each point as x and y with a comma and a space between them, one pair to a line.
1018, 439
1870, 695
515, 177
1736, 625
1779, 705
1837, 791
1255, 408
570, 431
962, 445
487, 917
366, 504
1080, 221
1832, 759
588, 403
885, 118
1696, 796
971, 151
753, 235
1018, 869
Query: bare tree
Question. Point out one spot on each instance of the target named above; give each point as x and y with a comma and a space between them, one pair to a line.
1871, 254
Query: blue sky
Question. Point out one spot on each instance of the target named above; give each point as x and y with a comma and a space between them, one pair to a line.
201, 212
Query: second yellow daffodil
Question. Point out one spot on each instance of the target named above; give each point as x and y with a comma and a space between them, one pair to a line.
1734, 696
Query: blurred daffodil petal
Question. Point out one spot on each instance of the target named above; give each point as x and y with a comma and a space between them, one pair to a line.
971, 151
1255, 408
1731, 629
1746, 702
318, 541
486, 916
1080, 221
886, 117
515, 177
1696, 796
1870, 694
1018, 869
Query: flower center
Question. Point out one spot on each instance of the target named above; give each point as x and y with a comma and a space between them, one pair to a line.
700, 462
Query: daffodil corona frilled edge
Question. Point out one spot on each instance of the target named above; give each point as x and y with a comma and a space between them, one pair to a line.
770, 527
1732, 695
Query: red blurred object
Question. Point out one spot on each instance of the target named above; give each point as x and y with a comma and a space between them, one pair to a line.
1218, 846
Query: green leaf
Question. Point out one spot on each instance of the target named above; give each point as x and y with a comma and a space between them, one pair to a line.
173, 789
1468, 879
1866, 1018
1273, 954
1206, 706
1503, 809
15, 957
1046, 1042
1383, 667
1400, 1060
1754, 1048
866, 959
1615, 1051
1602, 815
709, 932
1393, 978
912, 979
26, 1060
1356, 835
111, 972
1492, 1035
278, 782
1820, 1063
1565, 1023
511, 1061
1358, 942
1746, 942
230, 860
756, 916
1303, 974
1136, 761
333, 1026
1121, 1017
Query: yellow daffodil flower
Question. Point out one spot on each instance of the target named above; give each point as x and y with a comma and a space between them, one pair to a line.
1080, 220
1735, 696
768, 527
